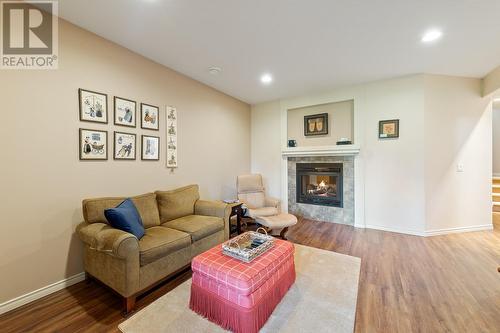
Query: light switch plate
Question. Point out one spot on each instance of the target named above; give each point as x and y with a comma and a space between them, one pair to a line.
460, 167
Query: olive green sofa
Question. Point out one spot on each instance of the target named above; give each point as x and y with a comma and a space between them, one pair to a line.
178, 226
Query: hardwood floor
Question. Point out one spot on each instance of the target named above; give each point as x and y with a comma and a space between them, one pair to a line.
407, 284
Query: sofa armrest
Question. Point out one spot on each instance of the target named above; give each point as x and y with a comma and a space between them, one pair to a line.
103, 238
272, 202
215, 208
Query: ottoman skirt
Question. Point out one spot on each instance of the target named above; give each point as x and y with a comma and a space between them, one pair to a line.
252, 312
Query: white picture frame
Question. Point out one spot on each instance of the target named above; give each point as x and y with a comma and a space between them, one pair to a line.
172, 142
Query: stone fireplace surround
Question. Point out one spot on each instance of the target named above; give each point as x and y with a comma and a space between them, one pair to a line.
343, 215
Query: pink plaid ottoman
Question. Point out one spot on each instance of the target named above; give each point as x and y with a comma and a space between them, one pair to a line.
240, 296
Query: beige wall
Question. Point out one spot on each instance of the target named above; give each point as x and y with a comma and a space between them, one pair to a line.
491, 82
266, 148
458, 131
340, 117
42, 180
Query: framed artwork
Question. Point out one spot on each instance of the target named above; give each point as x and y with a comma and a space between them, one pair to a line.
316, 124
171, 137
388, 129
124, 146
93, 106
93, 145
150, 148
150, 117
125, 112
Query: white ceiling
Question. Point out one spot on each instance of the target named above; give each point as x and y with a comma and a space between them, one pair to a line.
307, 45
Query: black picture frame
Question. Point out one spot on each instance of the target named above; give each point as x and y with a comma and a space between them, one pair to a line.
382, 129
115, 133
80, 108
143, 115
117, 123
80, 145
315, 120
142, 148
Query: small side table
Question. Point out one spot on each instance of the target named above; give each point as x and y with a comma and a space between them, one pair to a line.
236, 210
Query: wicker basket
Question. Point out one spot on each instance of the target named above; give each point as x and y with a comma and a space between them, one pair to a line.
248, 246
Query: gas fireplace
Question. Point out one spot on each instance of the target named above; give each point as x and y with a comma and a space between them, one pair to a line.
319, 184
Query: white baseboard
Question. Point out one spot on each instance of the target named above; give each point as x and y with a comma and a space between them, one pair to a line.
396, 230
434, 232
39, 293
437, 232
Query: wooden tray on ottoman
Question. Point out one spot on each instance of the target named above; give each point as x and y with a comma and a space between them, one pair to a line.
248, 246
241, 296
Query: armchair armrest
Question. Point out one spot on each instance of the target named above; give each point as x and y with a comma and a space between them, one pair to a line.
272, 202
102, 237
217, 209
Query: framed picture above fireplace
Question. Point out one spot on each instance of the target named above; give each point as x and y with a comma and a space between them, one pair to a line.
316, 124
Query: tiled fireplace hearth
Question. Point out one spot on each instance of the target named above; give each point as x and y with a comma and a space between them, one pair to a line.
326, 177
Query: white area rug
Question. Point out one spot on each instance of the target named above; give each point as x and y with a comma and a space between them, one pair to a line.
323, 299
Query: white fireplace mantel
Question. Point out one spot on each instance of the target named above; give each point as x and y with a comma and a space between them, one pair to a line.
340, 150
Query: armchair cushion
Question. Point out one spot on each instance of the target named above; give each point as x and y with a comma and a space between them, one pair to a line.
159, 242
198, 226
126, 217
272, 202
253, 200
250, 183
103, 238
265, 211
177, 203
93, 209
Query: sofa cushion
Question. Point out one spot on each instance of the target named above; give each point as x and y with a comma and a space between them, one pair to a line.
177, 203
198, 226
93, 209
159, 242
126, 217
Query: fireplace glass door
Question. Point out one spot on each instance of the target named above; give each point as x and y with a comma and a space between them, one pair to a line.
319, 184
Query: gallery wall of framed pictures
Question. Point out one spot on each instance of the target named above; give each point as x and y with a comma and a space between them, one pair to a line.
93, 143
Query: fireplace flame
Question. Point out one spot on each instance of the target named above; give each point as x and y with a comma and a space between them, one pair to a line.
322, 184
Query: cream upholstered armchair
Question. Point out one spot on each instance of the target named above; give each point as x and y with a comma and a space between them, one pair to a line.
265, 210
251, 192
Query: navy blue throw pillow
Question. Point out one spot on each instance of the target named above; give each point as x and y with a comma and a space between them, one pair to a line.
126, 217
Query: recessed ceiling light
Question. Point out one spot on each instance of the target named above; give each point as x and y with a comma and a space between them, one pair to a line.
266, 78
432, 35
214, 70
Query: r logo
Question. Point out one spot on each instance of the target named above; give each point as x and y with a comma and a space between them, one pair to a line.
27, 29
29, 34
